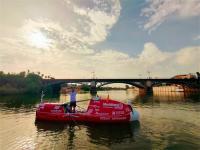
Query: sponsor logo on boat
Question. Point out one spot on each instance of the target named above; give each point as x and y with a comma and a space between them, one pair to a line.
90, 111
56, 107
103, 114
119, 118
117, 113
111, 105
41, 106
56, 110
96, 110
104, 118
127, 109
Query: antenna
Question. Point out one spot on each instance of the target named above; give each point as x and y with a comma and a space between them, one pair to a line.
149, 74
42, 95
108, 97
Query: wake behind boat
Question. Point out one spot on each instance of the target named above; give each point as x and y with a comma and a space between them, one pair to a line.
98, 111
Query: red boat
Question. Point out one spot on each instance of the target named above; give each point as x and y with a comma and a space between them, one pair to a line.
98, 111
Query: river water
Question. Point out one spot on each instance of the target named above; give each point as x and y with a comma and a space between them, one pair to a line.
167, 121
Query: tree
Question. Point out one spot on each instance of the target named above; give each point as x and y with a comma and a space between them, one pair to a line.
22, 74
34, 83
12, 83
1, 73
85, 87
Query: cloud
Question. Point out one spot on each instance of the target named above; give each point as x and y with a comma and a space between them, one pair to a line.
197, 38
160, 10
106, 63
96, 17
151, 55
70, 51
88, 25
112, 63
188, 57
66, 43
60, 39
167, 64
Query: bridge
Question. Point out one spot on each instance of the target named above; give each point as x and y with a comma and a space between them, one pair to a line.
145, 84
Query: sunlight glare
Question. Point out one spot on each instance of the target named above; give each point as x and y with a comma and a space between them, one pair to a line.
38, 40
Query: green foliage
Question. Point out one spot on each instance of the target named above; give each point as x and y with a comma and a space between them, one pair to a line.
85, 87
19, 83
33, 83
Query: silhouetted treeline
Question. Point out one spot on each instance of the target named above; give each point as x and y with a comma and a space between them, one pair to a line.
11, 83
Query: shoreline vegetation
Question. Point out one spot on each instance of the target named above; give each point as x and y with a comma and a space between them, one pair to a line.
20, 83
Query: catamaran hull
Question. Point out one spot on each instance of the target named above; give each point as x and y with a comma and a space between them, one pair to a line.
102, 111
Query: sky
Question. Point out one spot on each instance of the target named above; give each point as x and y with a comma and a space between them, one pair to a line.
113, 38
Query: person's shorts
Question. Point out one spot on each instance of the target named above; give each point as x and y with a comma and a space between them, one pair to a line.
72, 104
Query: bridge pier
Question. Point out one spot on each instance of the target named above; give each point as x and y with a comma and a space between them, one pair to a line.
93, 89
148, 87
149, 90
198, 77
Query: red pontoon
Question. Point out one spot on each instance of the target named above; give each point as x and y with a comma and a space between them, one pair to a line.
98, 111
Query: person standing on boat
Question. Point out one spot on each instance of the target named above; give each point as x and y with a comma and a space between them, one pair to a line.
73, 94
73, 100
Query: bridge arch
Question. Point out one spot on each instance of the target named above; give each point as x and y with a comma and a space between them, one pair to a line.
129, 83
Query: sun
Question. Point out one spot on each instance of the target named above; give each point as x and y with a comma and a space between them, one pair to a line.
39, 40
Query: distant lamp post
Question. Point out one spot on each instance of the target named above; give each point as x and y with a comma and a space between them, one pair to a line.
149, 74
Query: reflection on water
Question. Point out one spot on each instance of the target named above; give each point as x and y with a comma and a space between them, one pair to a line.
167, 121
107, 135
177, 96
94, 134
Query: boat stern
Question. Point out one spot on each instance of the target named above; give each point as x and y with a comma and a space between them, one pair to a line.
134, 115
